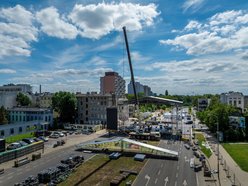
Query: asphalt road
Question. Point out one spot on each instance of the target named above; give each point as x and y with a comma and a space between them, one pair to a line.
15, 175
169, 172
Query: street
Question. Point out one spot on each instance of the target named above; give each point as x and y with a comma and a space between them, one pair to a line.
169, 172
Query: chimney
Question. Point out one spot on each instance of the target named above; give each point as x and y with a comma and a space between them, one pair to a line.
40, 89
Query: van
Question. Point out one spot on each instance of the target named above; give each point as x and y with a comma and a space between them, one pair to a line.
192, 163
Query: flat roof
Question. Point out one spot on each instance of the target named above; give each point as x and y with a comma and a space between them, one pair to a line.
164, 99
34, 109
151, 146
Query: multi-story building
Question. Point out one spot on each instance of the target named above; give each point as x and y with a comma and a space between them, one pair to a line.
27, 114
246, 103
44, 100
16, 88
138, 87
203, 104
92, 107
235, 99
147, 91
123, 109
9, 92
112, 83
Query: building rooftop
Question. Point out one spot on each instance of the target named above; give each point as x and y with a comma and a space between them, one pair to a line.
32, 109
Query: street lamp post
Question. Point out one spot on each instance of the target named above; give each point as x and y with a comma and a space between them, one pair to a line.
218, 151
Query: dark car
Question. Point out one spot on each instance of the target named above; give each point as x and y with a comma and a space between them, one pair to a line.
13, 146
43, 138
37, 139
22, 143
28, 140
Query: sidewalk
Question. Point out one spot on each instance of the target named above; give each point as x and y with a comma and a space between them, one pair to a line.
230, 172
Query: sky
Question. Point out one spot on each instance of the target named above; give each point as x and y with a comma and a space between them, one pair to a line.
184, 46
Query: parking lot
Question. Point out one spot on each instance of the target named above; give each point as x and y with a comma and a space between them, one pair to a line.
49, 158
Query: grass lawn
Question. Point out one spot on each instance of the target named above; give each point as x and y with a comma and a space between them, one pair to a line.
239, 153
201, 139
103, 176
19, 137
83, 170
112, 169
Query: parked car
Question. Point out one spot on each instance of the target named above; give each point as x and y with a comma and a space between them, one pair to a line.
187, 146
43, 138
13, 146
37, 139
61, 134
28, 140
54, 136
22, 143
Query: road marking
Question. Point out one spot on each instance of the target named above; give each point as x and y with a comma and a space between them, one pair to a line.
175, 183
166, 180
156, 180
148, 179
176, 175
159, 172
185, 183
177, 167
161, 165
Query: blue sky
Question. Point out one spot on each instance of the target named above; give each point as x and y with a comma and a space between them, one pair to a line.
184, 46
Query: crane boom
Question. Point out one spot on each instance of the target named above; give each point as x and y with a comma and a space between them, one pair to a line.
131, 67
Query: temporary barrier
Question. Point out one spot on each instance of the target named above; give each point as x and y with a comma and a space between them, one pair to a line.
22, 151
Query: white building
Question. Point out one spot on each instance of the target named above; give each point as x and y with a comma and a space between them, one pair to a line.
9, 92
235, 99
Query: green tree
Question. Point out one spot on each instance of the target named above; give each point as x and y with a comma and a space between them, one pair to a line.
22, 99
166, 93
65, 104
3, 116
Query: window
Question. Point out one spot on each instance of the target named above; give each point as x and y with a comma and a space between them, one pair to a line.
235, 103
12, 131
2, 132
86, 105
20, 129
239, 102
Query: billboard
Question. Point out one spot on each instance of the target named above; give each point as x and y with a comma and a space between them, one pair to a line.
238, 122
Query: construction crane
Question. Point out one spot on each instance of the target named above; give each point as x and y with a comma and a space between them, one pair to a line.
132, 75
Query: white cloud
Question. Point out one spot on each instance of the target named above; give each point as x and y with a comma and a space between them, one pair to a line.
17, 32
222, 32
7, 71
97, 20
192, 4
53, 25
18, 15
208, 74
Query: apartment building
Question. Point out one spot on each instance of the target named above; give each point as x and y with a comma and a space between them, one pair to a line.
112, 83
92, 107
